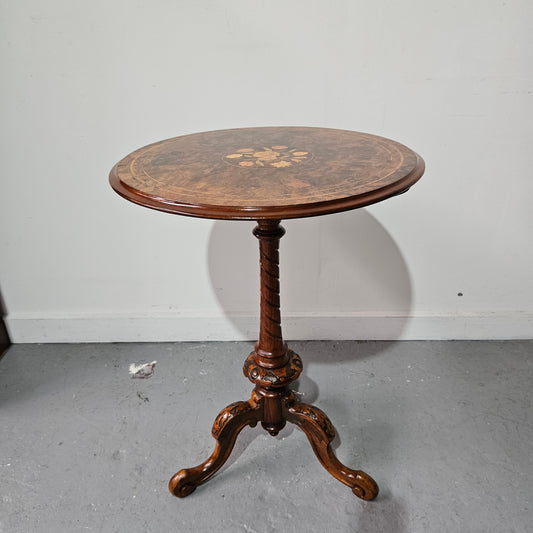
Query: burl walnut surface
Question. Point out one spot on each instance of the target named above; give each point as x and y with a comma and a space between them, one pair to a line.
268, 174
276, 173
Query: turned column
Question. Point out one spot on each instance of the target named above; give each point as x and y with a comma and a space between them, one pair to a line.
271, 358
270, 349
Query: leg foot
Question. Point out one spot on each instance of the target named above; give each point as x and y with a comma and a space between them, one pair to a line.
226, 428
319, 430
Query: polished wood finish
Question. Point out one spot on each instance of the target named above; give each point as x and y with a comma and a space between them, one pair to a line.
288, 172
272, 367
268, 174
238, 415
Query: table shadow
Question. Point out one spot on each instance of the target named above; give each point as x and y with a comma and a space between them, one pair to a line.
346, 264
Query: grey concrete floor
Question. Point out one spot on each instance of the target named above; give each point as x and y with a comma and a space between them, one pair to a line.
445, 428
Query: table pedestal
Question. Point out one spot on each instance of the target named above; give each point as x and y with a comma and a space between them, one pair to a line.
272, 366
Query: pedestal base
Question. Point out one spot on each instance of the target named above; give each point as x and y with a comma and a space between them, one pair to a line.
272, 406
272, 367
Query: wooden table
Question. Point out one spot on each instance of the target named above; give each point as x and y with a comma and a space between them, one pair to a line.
268, 174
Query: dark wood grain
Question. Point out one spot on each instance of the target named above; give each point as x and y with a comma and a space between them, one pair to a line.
266, 173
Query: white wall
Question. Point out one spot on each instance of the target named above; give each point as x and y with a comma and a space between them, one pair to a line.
85, 83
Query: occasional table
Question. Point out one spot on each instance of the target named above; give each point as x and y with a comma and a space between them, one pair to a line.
268, 174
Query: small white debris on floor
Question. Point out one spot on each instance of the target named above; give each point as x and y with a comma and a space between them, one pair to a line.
142, 370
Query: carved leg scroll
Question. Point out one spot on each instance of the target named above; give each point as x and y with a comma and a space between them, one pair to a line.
226, 428
319, 430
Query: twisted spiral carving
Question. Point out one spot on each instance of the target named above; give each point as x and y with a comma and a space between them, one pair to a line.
270, 337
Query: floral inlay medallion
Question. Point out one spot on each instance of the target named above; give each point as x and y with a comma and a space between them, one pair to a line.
273, 156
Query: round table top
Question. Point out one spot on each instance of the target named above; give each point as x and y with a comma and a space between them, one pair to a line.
266, 173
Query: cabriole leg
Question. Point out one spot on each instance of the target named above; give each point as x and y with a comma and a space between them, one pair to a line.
226, 428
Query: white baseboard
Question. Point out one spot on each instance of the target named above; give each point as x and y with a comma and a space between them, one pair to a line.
344, 326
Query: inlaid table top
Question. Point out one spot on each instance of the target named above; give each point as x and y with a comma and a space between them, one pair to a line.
266, 173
